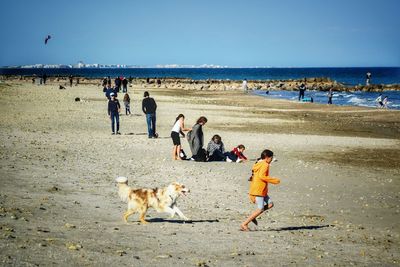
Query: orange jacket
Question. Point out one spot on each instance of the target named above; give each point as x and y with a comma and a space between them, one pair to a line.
261, 178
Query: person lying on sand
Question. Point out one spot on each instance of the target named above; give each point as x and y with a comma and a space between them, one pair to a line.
236, 155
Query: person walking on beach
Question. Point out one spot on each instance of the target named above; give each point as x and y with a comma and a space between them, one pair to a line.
244, 86
127, 104
368, 78
379, 101
330, 95
117, 82
196, 140
71, 79
110, 90
44, 78
149, 108
109, 80
385, 102
258, 192
178, 128
113, 111
302, 89
124, 85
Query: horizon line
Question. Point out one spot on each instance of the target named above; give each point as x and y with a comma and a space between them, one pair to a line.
168, 66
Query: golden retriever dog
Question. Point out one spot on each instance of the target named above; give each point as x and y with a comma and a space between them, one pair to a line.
140, 199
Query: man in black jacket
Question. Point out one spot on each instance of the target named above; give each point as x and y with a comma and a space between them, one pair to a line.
149, 107
113, 111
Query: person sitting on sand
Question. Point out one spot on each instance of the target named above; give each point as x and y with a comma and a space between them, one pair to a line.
216, 149
236, 155
196, 140
258, 192
177, 129
127, 104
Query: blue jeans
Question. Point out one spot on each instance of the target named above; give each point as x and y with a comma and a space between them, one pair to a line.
151, 124
114, 118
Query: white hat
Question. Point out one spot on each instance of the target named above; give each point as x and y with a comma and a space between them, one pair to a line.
121, 179
112, 94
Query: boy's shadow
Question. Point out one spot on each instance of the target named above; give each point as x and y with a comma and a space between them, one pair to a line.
160, 220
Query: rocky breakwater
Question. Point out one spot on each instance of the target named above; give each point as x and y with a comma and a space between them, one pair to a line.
223, 85
321, 83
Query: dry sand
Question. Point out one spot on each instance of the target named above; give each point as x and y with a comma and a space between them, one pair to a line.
337, 204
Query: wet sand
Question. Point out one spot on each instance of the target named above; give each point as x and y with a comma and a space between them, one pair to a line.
337, 204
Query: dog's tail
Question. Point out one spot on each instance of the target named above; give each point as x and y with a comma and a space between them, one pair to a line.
123, 188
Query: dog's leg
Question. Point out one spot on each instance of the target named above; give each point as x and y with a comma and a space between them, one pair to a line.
177, 210
142, 216
170, 211
127, 214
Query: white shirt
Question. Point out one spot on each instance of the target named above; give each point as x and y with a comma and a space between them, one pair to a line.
177, 126
244, 85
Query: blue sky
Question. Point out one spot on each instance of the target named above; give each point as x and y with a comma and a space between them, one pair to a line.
280, 33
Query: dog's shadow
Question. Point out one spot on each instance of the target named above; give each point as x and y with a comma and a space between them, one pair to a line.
297, 228
179, 221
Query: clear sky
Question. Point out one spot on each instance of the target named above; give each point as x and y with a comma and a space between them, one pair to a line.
280, 33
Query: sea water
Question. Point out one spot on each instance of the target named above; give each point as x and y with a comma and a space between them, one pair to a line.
362, 99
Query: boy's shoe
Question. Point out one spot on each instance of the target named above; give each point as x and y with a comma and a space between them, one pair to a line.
112, 133
228, 160
119, 133
239, 160
191, 159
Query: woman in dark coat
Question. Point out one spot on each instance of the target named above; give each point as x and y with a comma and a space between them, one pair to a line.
196, 140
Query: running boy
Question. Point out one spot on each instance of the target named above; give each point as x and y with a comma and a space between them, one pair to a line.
258, 192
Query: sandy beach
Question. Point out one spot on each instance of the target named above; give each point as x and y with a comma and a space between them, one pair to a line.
338, 203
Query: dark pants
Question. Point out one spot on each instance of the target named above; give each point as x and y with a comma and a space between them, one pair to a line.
301, 94
231, 156
329, 100
217, 156
114, 119
200, 156
124, 88
151, 124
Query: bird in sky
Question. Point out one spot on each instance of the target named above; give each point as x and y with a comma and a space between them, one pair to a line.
48, 37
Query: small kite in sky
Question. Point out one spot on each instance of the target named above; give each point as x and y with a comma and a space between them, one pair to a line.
48, 37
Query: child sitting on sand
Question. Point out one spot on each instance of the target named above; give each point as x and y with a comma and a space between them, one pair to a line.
258, 192
236, 155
